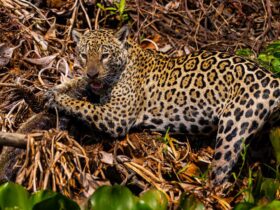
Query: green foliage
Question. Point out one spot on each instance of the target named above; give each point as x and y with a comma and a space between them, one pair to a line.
14, 196
118, 9
166, 136
122, 198
112, 197
243, 155
269, 188
41, 196
46, 200
270, 206
154, 199
262, 196
243, 206
269, 58
274, 137
189, 202
121, 7
246, 52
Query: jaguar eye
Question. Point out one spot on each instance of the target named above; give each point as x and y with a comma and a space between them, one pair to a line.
105, 56
83, 56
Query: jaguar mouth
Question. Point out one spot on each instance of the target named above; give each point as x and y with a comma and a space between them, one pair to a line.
96, 85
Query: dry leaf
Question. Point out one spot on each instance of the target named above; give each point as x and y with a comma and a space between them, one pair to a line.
192, 170
51, 32
172, 5
44, 61
40, 40
106, 157
6, 53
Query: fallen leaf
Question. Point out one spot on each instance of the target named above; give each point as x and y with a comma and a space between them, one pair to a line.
106, 157
40, 40
51, 32
6, 53
172, 5
44, 61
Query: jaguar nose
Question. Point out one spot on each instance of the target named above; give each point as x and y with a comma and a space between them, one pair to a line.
92, 72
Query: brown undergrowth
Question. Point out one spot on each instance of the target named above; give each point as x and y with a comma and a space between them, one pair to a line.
37, 52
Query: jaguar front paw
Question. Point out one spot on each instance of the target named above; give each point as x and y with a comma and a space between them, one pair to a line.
50, 98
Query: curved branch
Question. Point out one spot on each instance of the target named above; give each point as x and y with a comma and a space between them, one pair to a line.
13, 139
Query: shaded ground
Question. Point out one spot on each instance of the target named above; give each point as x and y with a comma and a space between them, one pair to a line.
37, 51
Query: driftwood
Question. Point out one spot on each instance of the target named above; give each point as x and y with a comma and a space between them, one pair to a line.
13, 139
15, 143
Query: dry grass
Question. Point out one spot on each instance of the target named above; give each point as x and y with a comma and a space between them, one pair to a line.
37, 52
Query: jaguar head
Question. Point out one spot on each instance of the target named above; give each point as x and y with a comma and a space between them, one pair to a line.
103, 53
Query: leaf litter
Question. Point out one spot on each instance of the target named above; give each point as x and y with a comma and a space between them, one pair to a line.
37, 52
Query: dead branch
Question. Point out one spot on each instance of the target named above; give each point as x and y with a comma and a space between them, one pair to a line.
13, 139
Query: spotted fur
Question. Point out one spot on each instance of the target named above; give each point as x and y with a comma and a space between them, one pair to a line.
202, 93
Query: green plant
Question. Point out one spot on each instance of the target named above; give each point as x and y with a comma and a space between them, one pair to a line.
154, 199
118, 9
112, 197
245, 52
14, 196
274, 137
261, 195
121, 197
243, 157
270, 57
189, 202
166, 136
274, 205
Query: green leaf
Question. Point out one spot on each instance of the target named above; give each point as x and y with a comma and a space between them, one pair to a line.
272, 47
276, 54
274, 137
274, 205
14, 196
100, 6
243, 206
55, 201
246, 52
122, 6
111, 9
40, 196
155, 199
112, 198
269, 187
258, 183
141, 205
189, 202
265, 57
276, 65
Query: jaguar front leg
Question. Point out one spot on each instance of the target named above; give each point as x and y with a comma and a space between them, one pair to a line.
107, 118
71, 87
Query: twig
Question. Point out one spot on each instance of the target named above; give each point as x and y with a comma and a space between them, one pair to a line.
8, 84
96, 19
72, 20
36, 8
13, 139
85, 12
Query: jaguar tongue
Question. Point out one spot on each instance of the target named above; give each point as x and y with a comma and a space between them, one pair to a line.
96, 85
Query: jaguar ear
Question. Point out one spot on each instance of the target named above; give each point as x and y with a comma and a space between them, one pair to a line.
122, 34
76, 36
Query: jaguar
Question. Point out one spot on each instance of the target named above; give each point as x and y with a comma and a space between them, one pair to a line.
200, 94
